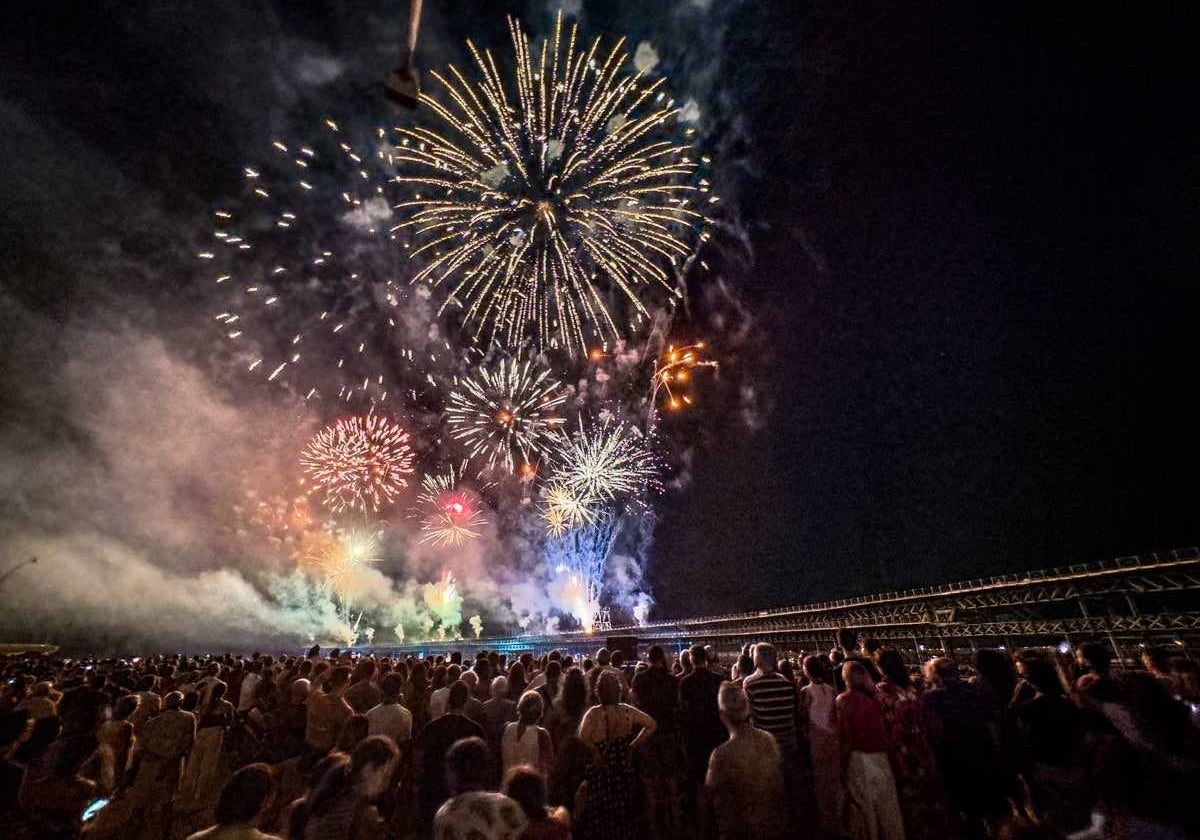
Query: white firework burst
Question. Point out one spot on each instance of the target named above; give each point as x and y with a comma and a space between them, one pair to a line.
606, 462
505, 413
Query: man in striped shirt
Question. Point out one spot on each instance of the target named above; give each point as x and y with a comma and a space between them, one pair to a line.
774, 704
773, 699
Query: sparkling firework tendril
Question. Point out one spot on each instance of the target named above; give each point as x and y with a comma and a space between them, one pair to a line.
610, 460
546, 200
450, 513
359, 463
578, 560
307, 270
505, 412
673, 372
562, 509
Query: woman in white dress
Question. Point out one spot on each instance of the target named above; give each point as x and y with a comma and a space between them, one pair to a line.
818, 702
523, 741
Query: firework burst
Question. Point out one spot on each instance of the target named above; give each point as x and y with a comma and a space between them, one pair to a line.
673, 374
338, 559
449, 512
608, 461
552, 203
505, 413
562, 509
359, 463
444, 601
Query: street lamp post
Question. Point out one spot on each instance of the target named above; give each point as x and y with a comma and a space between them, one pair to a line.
29, 561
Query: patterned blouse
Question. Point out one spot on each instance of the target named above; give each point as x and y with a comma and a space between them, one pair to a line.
479, 815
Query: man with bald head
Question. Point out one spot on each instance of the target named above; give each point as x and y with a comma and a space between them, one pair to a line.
744, 779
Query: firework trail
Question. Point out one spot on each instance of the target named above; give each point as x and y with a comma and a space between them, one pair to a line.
445, 602
359, 463
450, 513
578, 560
505, 414
673, 373
552, 203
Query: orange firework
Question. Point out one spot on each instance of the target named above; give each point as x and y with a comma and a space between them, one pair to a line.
673, 374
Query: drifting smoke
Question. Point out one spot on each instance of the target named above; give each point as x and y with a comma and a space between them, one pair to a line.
128, 511
115, 472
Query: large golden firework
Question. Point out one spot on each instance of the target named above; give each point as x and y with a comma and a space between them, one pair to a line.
553, 202
340, 558
359, 463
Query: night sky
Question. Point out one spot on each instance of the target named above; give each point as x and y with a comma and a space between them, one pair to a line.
973, 288
976, 260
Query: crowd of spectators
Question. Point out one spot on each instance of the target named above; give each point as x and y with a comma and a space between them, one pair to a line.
855, 743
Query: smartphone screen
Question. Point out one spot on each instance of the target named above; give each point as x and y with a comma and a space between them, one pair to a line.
94, 807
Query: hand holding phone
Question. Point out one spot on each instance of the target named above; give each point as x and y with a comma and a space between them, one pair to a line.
94, 807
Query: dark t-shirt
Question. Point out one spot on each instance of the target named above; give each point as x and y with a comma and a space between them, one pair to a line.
496, 713
11, 776
363, 696
436, 740
1051, 729
657, 694
699, 717
960, 718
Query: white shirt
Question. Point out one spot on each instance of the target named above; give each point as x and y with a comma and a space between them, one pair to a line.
437, 702
246, 698
390, 719
526, 750
821, 702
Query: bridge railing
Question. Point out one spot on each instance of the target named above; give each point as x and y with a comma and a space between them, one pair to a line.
1153, 561
1058, 573
1150, 561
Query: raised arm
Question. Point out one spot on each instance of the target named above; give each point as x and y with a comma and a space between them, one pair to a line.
637, 717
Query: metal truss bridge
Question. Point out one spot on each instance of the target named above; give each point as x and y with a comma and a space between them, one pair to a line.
1143, 599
